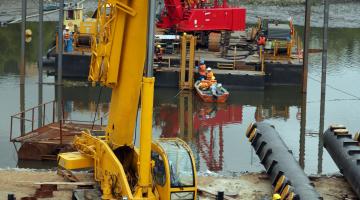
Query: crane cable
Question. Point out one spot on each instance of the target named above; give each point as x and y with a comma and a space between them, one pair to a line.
96, 108
337, 89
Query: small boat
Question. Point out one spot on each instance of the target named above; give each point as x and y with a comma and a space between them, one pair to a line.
208, 97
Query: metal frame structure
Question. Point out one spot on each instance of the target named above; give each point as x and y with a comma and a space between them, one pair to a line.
22, 116
189, 83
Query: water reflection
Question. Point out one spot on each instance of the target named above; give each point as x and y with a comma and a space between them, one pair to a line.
10, 43
84, 101
207, 127
215, 132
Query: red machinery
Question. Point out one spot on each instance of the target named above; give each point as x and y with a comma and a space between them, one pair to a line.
200, 16
197, 15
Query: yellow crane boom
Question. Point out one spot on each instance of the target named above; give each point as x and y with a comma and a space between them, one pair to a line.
118, 58
162, 169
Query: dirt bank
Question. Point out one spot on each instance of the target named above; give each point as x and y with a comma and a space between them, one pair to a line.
247, 186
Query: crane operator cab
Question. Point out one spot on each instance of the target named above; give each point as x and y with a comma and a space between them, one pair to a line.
174, 171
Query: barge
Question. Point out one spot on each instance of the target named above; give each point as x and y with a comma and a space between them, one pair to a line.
241, 62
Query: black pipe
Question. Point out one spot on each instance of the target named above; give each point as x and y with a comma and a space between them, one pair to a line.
346, 153
287, 177
11, 197
220, 195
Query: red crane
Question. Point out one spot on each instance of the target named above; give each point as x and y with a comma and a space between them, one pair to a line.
193, 15
200, 16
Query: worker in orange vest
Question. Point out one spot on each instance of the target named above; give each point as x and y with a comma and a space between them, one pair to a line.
262, 40
202, 70
210, 75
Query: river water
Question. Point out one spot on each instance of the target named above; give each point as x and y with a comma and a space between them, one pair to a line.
217, 134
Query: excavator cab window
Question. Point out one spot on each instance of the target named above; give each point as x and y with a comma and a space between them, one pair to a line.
174, 171
70, 15
180, 165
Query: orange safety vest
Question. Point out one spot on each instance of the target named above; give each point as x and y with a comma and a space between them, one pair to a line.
210, 76
202, 70
261, 40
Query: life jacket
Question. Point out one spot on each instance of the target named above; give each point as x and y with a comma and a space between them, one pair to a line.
204, 85
202, 70
210, 76
261, 40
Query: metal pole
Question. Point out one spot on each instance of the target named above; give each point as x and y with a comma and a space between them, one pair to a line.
60, 57
302, 132
323, 83
23, 27
306, 45
151, 31
40, 62
22, 67
304, 84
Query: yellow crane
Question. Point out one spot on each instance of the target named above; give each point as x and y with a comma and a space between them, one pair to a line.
162, 169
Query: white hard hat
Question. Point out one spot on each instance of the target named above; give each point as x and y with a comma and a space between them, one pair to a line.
209, 69
219, 85
66, 28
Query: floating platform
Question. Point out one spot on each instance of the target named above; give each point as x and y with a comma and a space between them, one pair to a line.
235, 69
275, 73
46, 142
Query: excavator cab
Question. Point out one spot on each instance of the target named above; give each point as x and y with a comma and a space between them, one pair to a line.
174, 172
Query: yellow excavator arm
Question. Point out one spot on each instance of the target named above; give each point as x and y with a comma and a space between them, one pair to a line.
162, 169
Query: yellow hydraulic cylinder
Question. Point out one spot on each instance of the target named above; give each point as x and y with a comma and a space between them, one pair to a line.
147, 99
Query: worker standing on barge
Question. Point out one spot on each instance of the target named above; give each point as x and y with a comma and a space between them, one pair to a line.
158, 53
67, 40
262, 40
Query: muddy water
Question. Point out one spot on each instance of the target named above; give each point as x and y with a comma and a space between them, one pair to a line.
214, 132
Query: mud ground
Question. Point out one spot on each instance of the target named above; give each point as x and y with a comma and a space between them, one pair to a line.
252, 186
257, 186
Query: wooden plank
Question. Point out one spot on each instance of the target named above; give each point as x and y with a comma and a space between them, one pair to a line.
60, 183
68, 175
